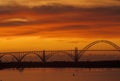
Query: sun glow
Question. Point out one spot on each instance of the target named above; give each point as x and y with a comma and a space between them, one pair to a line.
57, 24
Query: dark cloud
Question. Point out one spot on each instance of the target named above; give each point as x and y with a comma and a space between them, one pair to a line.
58, 9
83, 27
87, 19
110, 13
13, 23
53, 9
69, 27
8, 10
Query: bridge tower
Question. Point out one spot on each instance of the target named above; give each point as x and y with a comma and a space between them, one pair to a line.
76, 55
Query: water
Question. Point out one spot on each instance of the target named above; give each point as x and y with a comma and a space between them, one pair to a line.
60, 74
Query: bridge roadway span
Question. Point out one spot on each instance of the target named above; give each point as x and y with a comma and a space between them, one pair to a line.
44, 55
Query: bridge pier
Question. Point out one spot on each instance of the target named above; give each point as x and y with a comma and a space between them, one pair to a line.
44, 57
76, 56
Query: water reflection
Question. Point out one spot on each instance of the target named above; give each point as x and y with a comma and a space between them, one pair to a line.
60, 74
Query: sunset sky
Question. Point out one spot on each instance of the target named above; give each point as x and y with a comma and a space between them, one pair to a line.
57, 24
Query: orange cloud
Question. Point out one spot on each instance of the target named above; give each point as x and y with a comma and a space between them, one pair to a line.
60, 21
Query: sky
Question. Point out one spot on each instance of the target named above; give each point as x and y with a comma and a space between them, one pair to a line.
57, 24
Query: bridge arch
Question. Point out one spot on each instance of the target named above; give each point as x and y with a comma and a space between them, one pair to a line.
64, 52
2, 56
96, 42
35, 54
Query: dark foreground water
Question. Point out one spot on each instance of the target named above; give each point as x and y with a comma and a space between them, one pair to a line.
60, 74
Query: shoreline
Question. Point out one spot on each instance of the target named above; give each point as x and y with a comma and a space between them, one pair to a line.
62, 64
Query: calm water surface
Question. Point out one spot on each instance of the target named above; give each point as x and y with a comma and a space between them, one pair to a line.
60, 74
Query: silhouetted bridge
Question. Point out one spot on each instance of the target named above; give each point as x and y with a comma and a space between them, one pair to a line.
44, 55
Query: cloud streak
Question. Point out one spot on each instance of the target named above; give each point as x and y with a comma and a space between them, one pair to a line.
60, 20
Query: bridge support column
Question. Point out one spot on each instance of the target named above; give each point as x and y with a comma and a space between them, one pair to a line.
19, 60
44, 57
76, 56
